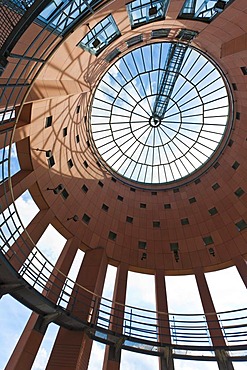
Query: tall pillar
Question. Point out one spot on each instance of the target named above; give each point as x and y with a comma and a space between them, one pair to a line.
22, 247
113, 353
241, 265
165, 360
29, 343
216, 335
72, 349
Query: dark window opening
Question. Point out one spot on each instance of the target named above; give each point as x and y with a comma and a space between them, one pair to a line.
208, 240
86, 218
167, 206
70, 163
64, 194
84, 188
100, 183
65, 131
184, 221
235, 165
213, 211
112, 235
119, 197
105, 207
215, 186
192, 200
51, 161
241, 225
85, 164
143, 205
142, 245
239, 192
156, 223
48, 121
129, 219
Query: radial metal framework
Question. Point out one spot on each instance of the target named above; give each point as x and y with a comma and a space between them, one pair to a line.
153, 133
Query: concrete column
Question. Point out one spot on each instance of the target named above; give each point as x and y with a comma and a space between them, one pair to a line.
241, 265
113, 353
72, 349
165, 360
212, 320
21, 249
29, 343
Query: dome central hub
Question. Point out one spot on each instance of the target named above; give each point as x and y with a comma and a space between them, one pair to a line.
154, 121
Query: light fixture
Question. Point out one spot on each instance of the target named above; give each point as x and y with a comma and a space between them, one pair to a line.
57, 189
48, 153
74, 218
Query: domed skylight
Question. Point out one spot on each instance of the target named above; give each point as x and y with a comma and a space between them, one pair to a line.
159, 113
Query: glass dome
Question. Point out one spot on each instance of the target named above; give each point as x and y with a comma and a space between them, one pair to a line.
159, 113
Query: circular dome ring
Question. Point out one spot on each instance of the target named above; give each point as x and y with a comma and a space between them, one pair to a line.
153, 124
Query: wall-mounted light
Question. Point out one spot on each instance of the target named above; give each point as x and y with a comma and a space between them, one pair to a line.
57, 189
48, 153
74, 218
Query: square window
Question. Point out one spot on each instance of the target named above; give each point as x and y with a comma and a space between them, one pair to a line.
156, 223
85, 164
215, 186
86, 218
230, 142
241, 225
84, 188
192, 200
234, 86
244, 70
237, 115
70, 163
142, 245
154, 192
174, 247
213, 211
100, 183
98, 164
112, 235
129, 219
197, 181
216, 165
77, 139
132, 189
78, 109
208, 240
239, 192
167, 206
51, 161
65, 131
119, 197
176, 190
235, 165
184, 221
64, 194
143, 205
88, 143
113, 179
48, 121
105, 207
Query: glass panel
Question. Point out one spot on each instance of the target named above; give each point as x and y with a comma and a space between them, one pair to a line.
138, 361
204, 10
100, 36
143, 11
